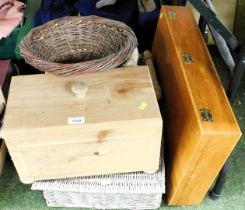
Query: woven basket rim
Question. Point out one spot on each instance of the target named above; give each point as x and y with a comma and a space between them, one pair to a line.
24, 48
113, 22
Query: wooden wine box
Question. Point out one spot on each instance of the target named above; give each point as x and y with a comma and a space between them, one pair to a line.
89, 124
201, 129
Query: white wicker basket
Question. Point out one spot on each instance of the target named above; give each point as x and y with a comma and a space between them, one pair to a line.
136, 190
102, 201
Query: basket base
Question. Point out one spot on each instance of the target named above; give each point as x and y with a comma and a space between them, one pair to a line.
102, 201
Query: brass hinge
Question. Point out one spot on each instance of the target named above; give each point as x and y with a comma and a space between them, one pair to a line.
172, 14
187, 58
206, 115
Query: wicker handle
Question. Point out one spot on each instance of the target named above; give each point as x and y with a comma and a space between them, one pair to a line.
79, 89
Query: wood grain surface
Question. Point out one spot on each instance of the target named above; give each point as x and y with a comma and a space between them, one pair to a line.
197, 149
121, 129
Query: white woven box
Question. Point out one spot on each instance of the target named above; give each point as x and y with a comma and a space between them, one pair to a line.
137, 190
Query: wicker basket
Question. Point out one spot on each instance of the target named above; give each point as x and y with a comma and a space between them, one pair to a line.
73, 45
137, 190
102, 201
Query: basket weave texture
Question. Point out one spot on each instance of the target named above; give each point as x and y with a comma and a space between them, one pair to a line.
102, 201
137, 190
75, 45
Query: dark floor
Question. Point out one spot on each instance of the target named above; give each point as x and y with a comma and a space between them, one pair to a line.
16, 196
